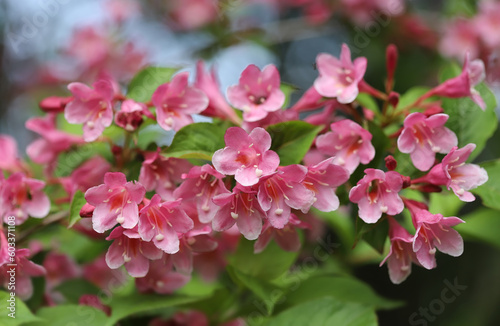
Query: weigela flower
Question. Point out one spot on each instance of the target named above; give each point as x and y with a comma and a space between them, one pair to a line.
21, 197
25, 269
89, 174
161, 278
377, 193
311, 100
161, 221
193, 242
257, 93
92, 300
99, 274
433, 231
401, 255
130, 250
487, 23
246, 156
460, 36
130, 115
286, 238
201, 184
339, 78
176, 101
282, 191
422, 137
348, 143
92, 107
115, 201
240, 207
322, 179
59, 268
8, 152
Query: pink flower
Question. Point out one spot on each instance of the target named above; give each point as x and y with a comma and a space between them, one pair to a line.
433, 231
217, 105
460, 36
246, 156
282, 191
4, 249
193, 14
201, 184
130, 115
21, 197
310, 100
339, 78
286, 238
59, 268
92, 107
8, 152
89, 174
99, 274
257, 93
128, 249
176, 101
401, 255
193, 242
242, 208
115, 201
487, 23
377, 193
271, 119
423, 137
322, 179
54, 104
348, 143
161, 278
46, 149
25, 269
92, 300
161, 221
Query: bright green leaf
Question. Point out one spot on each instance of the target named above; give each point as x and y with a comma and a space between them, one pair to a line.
287, 89
74, 315
490, 191
482, 225
143, 85
292, 140
411, 96
76, 205
22, 313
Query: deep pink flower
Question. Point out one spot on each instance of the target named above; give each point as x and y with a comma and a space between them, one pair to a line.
348, 143
433, 231
130, 115
246, 156
193, 242
92, 107
89, 174
4, 249
115, 201
161, 221
8, 152
423, 137
401, 255
54, 104
282, 191
310, 100
217, 105
322, 179
286, 238
377, 193
128, 249
21, 197
59, 268
240, 207
257, 93
105, 278
201, 184
161, 278
25, 269
339, 78
271, 119
175, 101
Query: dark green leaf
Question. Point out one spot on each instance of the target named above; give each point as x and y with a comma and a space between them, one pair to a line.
482, 225
74, 315
21, 312
73, 289
143, 85
490, 191
76, 205
292, 140
374, 234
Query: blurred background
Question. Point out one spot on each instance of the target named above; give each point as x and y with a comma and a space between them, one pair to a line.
45, 44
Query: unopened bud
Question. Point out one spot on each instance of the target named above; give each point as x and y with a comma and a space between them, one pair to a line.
391, 61
54, 104
390, 163
87, 210
393, 99
406, 181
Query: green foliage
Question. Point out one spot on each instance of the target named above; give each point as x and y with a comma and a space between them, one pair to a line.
287, 89
76, 205
143, 85
22, 314
410, 96
483, 225
72, 314
374, 234
292, 140
73, 289
490, 191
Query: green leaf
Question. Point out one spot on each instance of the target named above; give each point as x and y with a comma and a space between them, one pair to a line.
369, 103
411, 96
483, 225
73, 289
467, 120
76, 205
74, 315
326, 312
490, 191
22, 313
374, 234
197, 140
292, 140
143, 85
267, 265
287, 89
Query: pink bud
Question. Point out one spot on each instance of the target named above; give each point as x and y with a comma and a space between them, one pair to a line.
391, 163
391, 59
54, 104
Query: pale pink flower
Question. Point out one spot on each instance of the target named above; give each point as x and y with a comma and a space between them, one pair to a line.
115, 201
130, 250
323, 179
161, 278
105, 278
25, 269
176, 101
422, 137
191, 243
339, 78
348, 143
282, 191
246, 156
287, 238
201, 184
460, 36
92, 107
257, 93
433, 231
21, 197
161, 221
488, 24
193, 14
377, 193
130, 115
8, 152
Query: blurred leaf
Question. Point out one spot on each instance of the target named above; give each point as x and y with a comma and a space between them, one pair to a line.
374, 234
73, 289
411, 95
467, 120
74, 315
368, 102
197, 140
69, 161
381, 143
292, 140
482, 224
490, 191
143, 85
326, 312
267, 265
76, 205
287, 89
21, 312
446, 203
